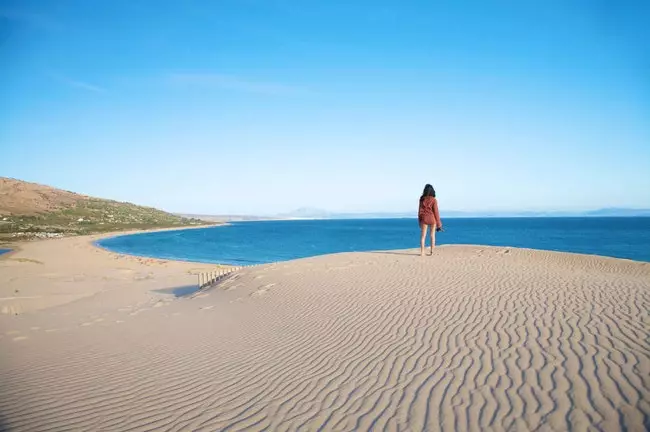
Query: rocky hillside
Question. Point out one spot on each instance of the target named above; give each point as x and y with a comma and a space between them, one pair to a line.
23, 198
29, 210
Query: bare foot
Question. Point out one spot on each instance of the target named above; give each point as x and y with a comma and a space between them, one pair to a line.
421, 253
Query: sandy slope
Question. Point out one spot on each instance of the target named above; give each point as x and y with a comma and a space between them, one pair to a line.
471, 338
47, 273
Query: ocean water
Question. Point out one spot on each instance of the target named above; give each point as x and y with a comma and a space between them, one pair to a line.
246, 243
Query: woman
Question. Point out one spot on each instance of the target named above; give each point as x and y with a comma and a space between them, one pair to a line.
429, 217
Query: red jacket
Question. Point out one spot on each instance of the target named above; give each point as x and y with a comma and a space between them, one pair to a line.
428, 213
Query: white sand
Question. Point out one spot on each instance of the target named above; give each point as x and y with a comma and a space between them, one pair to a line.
472, 338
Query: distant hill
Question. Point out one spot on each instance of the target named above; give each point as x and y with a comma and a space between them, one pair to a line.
306, 213
32, 210
619, 212
533, 214
226, 218
323, 214
312, 213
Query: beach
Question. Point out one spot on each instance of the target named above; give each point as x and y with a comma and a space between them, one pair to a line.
470, 338
43, 274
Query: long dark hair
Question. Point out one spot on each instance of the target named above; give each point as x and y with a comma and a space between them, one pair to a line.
428, 191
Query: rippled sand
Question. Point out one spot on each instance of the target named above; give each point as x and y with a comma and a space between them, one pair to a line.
471, 338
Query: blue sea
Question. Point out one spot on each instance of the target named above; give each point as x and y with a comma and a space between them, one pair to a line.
246, 243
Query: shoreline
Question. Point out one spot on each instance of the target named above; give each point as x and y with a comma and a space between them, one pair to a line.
443, 245
258, 243
94, 239
41, 274
95, 243
49, 273
15, 246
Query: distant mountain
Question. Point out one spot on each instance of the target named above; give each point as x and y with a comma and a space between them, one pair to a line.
621, 212
315, 213
592, 213
226, 218
306, 213
323, 214
399, 215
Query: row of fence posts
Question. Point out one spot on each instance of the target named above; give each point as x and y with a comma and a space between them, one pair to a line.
209, 278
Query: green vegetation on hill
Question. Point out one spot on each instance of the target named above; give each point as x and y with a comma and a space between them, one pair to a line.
89, 216
29, 210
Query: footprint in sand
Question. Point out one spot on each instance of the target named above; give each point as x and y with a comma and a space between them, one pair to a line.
201, 295
138, 311
264, 289
141, 277
12, 332
99, 320
259, 292
34, 328
259, 277
19, 338
119, 322
86, 324
207, 307
51, 330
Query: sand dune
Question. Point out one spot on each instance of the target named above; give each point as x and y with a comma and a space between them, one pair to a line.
472, 338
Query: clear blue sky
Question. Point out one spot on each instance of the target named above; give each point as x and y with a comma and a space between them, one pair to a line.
264, 106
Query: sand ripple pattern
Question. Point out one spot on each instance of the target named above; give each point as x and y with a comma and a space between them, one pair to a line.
468, 339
